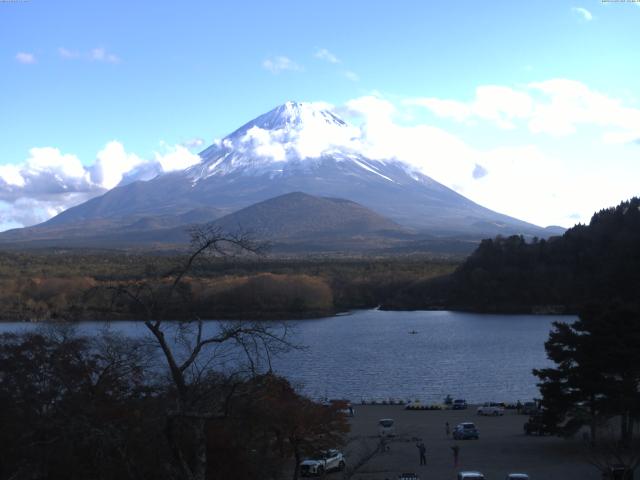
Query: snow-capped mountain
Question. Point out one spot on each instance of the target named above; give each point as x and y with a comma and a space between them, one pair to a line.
289, 138
296, 147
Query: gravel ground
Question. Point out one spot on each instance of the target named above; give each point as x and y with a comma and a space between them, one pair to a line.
502, 448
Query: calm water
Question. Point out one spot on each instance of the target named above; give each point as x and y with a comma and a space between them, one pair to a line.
371, 354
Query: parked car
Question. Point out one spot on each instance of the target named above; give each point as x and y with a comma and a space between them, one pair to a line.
470, 476
465, 431
386, 427
459, 404
517, 476
329, 460
491, 409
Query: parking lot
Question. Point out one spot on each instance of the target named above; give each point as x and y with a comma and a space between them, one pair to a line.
502, 448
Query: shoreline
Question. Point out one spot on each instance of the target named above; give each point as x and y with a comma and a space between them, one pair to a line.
302, 316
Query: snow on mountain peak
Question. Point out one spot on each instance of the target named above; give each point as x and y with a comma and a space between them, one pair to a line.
298, 132
293, 116
294, 137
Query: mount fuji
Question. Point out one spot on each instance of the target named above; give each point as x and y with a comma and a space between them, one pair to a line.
296, 147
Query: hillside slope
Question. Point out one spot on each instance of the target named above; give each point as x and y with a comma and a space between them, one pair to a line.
599, 262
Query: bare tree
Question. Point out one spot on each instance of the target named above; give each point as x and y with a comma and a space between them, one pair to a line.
188, 353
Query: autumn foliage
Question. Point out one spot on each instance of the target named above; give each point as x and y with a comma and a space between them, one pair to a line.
77, 408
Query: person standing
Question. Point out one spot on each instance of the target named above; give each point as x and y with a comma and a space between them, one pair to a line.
456, 453
447, 429
423, 450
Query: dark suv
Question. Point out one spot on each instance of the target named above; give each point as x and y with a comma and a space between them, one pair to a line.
459, 404
465, 431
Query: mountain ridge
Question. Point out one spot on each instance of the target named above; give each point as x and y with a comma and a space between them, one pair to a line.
295, 147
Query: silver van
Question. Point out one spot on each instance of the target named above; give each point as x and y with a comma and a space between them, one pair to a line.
470, 476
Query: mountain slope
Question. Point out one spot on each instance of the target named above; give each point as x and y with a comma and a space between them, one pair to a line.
299, 215
294, 222
296, 147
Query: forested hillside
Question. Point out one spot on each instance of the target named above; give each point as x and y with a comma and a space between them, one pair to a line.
589, 264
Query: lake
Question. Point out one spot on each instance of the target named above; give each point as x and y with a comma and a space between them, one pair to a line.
371, 354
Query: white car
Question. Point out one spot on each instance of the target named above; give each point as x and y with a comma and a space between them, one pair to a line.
386, 427
491, 409
329, 460
470, 476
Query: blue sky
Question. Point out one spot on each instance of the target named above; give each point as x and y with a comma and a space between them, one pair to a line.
105, 84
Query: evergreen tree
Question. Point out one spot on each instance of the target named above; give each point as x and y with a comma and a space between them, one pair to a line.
597, 373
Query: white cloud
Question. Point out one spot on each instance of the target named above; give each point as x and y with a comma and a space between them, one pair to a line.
354, 77
50, 181
46, 183
498, 104
555, 107
98, 54
25, 58
264, 143
101, 55
279, 64
326, 55
65, 53
567, 104
583, 13
310, 140
176, 158
112, 164
453, 109
10, 175
193, 143
48, 171
24, 211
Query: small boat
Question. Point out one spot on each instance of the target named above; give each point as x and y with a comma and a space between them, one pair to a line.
412, 332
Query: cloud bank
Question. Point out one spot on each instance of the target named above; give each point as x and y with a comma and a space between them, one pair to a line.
50, 181
556, 107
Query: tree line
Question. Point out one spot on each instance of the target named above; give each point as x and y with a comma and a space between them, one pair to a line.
75, 286
595, 263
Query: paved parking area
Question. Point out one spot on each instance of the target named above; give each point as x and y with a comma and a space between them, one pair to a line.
502, 448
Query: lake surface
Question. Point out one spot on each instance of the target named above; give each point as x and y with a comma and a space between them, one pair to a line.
371, 354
